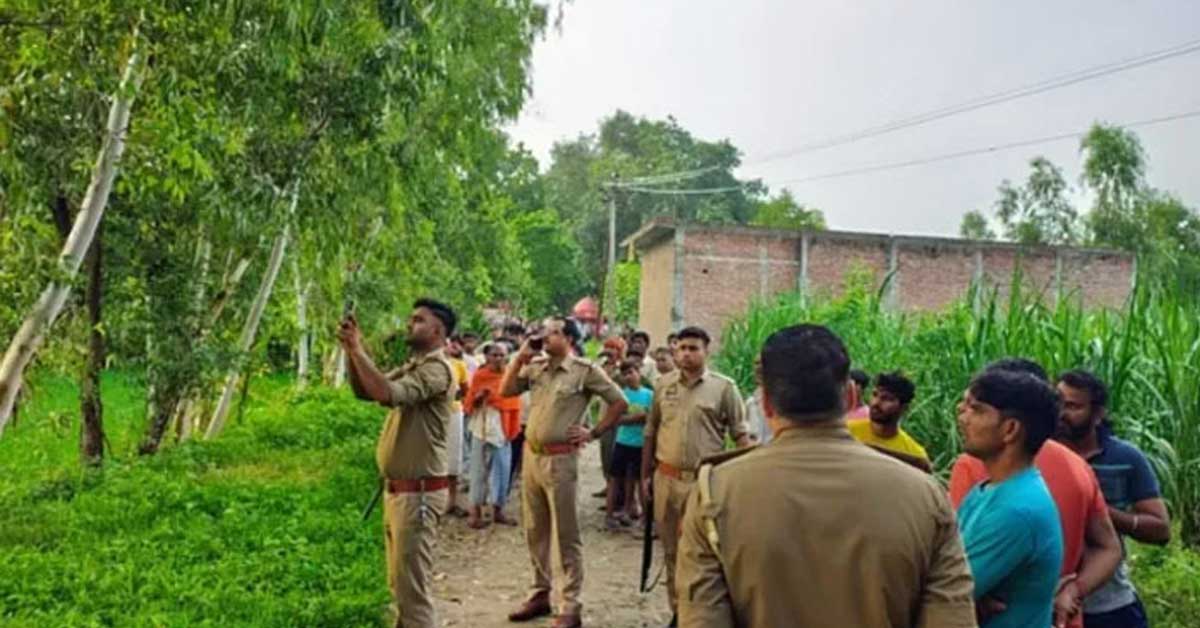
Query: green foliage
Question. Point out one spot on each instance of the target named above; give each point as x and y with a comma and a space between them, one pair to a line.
627, 147
1127, 213
628, 277
1114, 168
783, 212
1039, 211
261, 528
554, 254
1148, 353
975, 226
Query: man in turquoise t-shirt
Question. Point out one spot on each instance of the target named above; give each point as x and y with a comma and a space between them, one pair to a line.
626, 463
1009, 524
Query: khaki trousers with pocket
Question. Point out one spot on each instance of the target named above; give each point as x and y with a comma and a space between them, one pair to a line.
548, 493
410, 522
670, 500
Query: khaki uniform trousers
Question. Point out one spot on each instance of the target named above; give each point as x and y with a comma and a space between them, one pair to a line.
548, 493
410, 522
670, 500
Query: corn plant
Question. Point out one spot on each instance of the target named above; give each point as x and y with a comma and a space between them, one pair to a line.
1148, 352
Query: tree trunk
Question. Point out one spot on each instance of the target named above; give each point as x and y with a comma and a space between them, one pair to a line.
33, 329
250, 329
302, 323
339, 368
161, 419
228, 287
91, 437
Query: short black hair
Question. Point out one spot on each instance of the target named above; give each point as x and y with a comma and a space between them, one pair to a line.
897, 384
1080, 379
469, 334
860, 377
1019, 365
630, 365
693, 332
1022, 396
657, 351
441, 311
570, 328
640, 334
515, 329
672, 336
804, 372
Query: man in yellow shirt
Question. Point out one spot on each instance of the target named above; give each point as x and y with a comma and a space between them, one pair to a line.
890, 400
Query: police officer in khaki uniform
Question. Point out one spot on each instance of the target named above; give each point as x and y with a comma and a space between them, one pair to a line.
816, 529
561, 386
411, 453
693, 410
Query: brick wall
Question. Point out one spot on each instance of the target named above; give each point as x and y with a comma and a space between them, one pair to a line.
702, 275
931, 277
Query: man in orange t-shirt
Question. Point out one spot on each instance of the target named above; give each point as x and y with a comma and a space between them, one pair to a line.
1091, 549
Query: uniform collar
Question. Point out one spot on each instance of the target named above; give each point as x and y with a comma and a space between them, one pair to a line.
835, 429
699, 380
437, 354
562, 364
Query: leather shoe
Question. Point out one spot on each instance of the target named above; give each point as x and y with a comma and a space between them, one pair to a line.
567, 621
534, 607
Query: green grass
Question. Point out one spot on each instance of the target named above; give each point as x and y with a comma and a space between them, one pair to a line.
260, 527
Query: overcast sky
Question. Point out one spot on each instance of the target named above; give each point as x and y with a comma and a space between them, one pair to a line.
771, 76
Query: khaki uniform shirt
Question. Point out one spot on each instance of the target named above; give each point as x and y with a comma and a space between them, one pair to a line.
815, 529
413, 442
688, 423
559, 395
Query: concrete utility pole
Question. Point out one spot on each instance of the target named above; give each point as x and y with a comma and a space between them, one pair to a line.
608, 303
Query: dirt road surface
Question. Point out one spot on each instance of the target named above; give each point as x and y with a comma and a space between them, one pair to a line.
483, 574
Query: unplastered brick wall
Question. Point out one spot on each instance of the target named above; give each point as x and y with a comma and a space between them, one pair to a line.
702, 275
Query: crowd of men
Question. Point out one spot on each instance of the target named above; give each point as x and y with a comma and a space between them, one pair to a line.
803, 505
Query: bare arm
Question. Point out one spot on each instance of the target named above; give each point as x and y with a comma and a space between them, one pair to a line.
352, 373
632, 419
1148, 521
510, 384
612, 414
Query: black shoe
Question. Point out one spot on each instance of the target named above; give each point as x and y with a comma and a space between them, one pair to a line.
674, 622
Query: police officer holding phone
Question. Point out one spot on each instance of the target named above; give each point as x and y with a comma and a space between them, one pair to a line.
411, 453
561, 385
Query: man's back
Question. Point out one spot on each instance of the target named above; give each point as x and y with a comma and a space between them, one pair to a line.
816, 530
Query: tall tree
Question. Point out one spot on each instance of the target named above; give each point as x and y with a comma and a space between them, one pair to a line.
1039, 212
635, 149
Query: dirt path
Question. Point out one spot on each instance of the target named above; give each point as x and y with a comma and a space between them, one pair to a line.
483, 574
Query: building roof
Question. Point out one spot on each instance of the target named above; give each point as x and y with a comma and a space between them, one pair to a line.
661, 228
